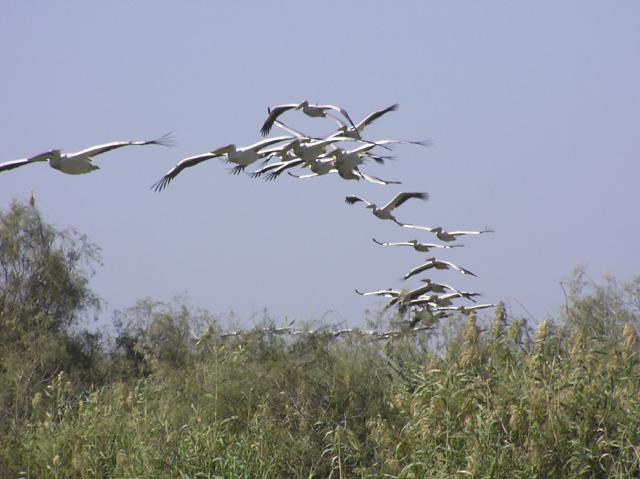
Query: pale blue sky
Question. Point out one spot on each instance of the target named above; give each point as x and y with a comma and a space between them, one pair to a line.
534, 109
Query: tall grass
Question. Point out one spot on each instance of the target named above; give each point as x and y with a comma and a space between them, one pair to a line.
501, 399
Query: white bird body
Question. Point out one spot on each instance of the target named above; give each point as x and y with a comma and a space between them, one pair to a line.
314, 111
385, 213
420, 247
81, 162
436, 264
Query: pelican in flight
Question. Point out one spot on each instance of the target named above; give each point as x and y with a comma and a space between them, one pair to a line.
449, 236
384, 213
420, 247
242, 157
81, 162
437, 264
356, 131
314, 111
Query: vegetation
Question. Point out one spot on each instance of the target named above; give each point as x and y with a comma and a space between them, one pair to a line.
170, 394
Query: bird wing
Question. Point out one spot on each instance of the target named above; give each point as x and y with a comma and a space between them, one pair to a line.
312, 174
392, 244
10, 165
281, 166
418, 227
378, 181
290, 164
374, 116
456, 267
428, 143
264, 143
402, 197
459, 233
419, 269
90, 153
274, 113
354, 199
342, 111
175, 171
295, 133
384, 292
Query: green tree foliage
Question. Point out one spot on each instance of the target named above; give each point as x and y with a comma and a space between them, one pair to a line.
44, 294
152, 335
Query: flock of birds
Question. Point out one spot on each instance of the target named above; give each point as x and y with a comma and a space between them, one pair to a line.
320, 156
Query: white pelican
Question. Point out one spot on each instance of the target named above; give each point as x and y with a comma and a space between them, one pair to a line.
314, 111
80, 163
446, 235
421, 247
437, 264
242, 157
384, 213
356, 131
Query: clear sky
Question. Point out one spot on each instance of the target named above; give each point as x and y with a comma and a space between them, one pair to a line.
534, 108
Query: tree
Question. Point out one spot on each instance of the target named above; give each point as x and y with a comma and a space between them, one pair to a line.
44, 294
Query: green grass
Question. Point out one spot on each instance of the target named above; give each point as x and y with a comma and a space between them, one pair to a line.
496, 399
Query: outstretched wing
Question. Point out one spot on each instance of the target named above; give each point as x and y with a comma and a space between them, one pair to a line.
175, 171
90, 153
274, 113
374, 116
350, 200
10, 165
402, 197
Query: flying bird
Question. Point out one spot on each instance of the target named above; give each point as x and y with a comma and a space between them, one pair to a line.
437, 264
314, 111
356, 131
242, 157
421, 247
384, 213
446, 235
81, 162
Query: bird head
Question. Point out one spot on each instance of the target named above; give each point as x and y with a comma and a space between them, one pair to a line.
302, 105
